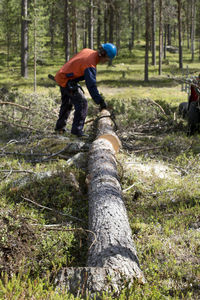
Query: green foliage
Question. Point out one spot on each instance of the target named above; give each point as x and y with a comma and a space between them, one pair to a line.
21, 287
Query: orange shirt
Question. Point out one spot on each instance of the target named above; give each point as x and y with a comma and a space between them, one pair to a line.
76, 66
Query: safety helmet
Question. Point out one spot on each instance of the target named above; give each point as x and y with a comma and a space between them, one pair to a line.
110, 49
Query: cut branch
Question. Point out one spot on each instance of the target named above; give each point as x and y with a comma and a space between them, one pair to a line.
14, 104
51, 209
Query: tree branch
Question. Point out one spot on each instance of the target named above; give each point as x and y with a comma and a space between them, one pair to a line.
53, 210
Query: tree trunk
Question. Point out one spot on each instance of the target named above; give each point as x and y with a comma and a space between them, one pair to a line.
99, 25
169, 35
180, 35
111, 17
74, 25
85, 26
188, 23
146, 71
117, 22
165, 41
153, 33
160, 37
35, 46
52, 27
24, 38
91, 25
131, 24
66, 37
138, 16
106, 23
193, 28
112, 254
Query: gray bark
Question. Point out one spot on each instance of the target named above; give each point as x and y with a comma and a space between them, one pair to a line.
146, 67
111, 29
180, 35
160, 36
153, 16
112, 258
91, 25
67, 30
99, 24
193, 28
24, 39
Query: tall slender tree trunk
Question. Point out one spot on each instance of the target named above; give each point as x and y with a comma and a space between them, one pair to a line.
138, 23
91, 25
160, 36
35, 46
199, 48
180, 35
74, 33
193, 4
85, 30
111, 17
165, 40
146, 72
118, 29
99, 24
131, 23
188, 23
169, 34
66, 37
106, 23
153, 42
24, 38
51, 27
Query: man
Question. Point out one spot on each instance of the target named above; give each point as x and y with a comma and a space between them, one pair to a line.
191, 109
81, 66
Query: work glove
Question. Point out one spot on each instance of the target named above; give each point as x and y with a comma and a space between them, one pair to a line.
103, 105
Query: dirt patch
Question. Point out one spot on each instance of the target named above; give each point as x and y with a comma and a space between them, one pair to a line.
16, 242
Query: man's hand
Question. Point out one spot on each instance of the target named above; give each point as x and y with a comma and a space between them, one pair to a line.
103, 105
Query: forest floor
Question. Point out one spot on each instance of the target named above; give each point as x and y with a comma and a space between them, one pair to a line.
43, 184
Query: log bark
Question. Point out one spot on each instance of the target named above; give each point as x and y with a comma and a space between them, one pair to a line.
112, 258
108, 218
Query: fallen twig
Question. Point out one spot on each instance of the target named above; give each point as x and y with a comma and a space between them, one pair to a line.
20, 126
14, 104
23, 154
128, 188
53, 210
17, 171
155, 103
53, 227
148, 149
53, 155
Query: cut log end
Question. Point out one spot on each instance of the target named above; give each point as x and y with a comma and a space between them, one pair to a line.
113, 139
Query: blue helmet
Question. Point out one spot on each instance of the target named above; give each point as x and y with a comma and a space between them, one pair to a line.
110, 49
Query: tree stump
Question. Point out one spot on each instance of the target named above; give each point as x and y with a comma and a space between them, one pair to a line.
112, 260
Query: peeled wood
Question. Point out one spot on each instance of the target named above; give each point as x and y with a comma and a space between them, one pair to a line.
112, 259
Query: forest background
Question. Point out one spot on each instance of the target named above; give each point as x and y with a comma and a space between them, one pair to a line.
158, 43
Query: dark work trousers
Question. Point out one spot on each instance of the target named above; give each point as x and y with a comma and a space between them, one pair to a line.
192, 114
69, 99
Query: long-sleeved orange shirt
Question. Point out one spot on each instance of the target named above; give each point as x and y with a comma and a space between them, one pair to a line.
76, 66
81, 66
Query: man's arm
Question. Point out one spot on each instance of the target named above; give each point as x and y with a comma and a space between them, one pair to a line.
90, 80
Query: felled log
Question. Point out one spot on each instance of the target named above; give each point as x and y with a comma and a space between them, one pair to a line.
112, 259
108, 219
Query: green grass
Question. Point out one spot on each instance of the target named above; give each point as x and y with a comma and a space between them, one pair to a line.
162, 205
